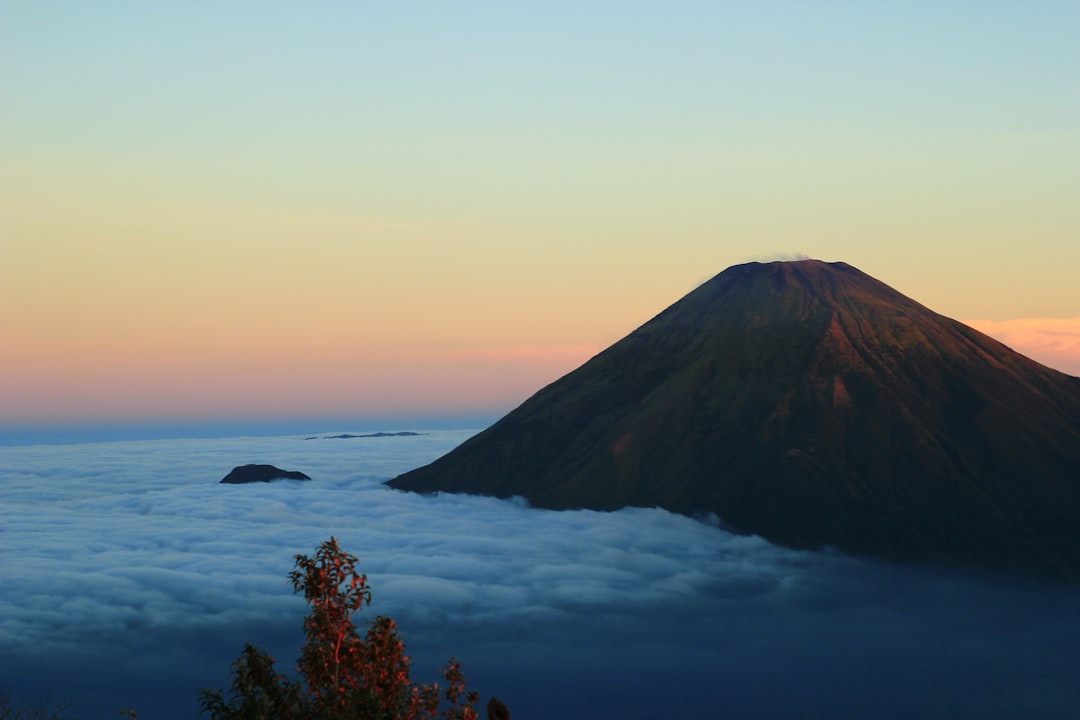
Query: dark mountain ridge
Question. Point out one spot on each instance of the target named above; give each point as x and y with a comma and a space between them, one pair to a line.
813, 405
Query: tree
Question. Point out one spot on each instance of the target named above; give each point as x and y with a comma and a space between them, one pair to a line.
340, 674
43, 711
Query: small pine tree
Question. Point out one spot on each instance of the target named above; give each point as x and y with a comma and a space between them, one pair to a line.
341, 675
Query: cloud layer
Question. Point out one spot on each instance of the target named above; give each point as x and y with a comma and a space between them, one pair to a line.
132, 578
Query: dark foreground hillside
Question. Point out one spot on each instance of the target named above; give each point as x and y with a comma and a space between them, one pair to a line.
811, 404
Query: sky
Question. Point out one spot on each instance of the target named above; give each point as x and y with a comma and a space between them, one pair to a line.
238, 210
139, 578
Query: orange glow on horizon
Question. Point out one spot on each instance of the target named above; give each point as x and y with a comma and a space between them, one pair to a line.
283, 384
1054, 342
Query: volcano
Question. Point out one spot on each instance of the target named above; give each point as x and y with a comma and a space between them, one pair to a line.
810, 404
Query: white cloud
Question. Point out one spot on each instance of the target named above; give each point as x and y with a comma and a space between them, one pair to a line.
780, 256
131, 577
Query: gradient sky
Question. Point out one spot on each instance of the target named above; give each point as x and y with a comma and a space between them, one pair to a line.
242, 209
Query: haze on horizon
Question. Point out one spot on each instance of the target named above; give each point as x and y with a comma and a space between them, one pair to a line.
348, 209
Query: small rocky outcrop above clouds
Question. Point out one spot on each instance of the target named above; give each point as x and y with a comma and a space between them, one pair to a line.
261, 473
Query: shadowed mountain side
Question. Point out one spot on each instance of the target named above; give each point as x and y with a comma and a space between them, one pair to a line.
813, 405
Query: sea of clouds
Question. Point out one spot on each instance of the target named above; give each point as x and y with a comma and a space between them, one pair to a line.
131, 578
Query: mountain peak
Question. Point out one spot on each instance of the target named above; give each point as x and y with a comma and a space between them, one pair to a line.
814, 405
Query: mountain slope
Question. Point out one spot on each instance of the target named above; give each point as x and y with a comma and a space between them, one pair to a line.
813, 405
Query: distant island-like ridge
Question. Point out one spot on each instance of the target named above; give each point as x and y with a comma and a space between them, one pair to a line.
347, 436
815, 406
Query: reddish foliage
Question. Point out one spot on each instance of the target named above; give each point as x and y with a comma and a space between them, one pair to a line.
341, 674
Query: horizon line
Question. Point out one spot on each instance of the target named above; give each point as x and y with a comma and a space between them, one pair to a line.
88, 431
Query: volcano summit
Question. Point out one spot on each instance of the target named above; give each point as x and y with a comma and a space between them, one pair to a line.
813, 405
